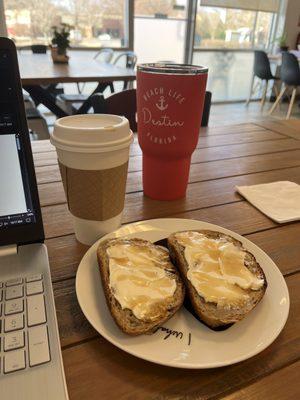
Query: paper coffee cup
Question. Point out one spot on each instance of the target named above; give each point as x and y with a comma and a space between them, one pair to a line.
93, 153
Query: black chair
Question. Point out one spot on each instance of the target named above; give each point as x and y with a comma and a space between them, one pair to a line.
120, 103
290, 76
262, 71
39, 49
124, 103
53, 88
37, 123
206, 109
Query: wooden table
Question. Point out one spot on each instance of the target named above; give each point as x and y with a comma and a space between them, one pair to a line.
225, 157
38, 69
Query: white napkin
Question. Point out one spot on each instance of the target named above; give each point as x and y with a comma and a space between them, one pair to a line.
278, 200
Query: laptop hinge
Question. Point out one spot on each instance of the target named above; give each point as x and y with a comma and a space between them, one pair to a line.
8, 250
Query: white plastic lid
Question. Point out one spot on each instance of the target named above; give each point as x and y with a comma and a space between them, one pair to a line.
91, 133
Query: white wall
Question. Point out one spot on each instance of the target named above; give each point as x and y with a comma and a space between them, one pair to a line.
291, 22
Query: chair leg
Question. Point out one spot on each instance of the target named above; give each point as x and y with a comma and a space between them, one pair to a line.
291, 103
263, 99
278, 99
111, 86
251, 90
276, 92
80, 88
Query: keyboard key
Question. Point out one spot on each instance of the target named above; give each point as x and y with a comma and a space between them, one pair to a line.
14, 306
14, 361
13, 341
13, 323
38, 345
34, 288
34, 278
14, 292
36, 313
13, 282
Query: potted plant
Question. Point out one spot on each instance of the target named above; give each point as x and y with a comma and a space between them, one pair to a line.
282, 42
60, 43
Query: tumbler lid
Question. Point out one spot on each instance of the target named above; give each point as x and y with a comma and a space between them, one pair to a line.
170, 68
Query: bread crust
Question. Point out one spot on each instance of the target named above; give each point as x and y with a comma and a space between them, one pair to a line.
124, 318
208, 312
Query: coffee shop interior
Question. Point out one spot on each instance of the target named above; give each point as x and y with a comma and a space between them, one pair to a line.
241, 42
115, 93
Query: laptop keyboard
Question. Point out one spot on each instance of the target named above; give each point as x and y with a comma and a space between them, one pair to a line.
24, 339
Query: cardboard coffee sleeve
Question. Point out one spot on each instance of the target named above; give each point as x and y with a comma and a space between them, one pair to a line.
93, 194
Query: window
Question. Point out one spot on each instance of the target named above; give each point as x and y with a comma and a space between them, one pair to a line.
160, 29
226, 32
229, 73
218, 27
263, 29
95, 23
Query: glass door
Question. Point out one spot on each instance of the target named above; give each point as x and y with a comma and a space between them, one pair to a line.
224, 40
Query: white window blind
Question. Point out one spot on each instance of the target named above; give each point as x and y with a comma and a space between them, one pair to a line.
254, 5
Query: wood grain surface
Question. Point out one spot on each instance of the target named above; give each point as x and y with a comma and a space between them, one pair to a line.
38, 69
290, 128
273, 386
225, 157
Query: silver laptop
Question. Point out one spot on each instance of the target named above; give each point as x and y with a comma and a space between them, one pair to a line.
30, 357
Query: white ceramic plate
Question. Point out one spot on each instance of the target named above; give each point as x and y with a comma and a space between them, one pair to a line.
183, 341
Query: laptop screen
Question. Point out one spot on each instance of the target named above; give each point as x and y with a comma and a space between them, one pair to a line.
15, 200
19, 206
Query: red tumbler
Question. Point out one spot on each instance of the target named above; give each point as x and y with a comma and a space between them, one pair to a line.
170, 100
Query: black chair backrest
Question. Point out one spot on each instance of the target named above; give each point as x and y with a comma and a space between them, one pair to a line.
104, 55
290, 71
262, 65
127, 59
124, 103
39, 49
206, 109
120, 103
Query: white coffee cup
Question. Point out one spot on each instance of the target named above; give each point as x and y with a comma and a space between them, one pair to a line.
88, 145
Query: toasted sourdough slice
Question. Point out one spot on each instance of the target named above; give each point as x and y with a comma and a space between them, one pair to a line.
212, 315
125, 318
